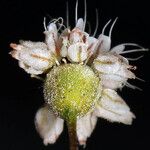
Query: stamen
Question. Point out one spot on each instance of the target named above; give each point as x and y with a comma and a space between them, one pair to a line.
76, 12
89, 28
103, 30
132, 86
59, 19
140, 79
44, 23
119, 48
132, 44
64, 60
37, 77
97, 24
61, 25
67, 14
57, 62
110, 31
134, 50
89, 56
134, 59
85, 14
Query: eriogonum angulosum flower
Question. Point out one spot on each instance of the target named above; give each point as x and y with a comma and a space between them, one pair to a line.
82, 74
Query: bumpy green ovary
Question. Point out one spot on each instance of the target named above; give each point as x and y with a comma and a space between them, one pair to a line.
72, 90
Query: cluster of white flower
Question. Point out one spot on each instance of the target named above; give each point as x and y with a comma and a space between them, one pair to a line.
77, 47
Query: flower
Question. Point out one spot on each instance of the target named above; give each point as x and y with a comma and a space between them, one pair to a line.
82, 75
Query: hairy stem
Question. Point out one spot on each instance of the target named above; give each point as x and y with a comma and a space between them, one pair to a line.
72, 135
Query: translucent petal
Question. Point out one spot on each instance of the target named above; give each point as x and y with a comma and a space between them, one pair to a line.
30, 44
93, 44
113, 108
80, 24
48, 125
33, 56
64, 42
51, 38
112, 81
29, 69
113, 70
118, 49
77, 35
85, 127
107, 63
77, 52
105, 43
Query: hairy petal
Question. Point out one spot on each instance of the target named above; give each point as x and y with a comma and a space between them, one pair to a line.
51, 38
85, 127
121, 47
33, 57
118, 49
28, 69
48, 125
93, 44
113, 108
107, 63
113, 70
80, 24
112, 81
77, 52
64, 37
78, 35
30, 44
105, 42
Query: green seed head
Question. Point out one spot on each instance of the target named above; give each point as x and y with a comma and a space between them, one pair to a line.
72, 90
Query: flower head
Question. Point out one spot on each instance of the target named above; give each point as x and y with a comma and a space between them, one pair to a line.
82, 75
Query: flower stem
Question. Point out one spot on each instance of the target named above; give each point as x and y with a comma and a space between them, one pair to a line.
72, 135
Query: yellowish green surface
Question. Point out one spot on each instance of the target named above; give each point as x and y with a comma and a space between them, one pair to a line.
72, 90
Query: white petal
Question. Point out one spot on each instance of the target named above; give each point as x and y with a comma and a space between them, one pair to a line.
77, 35
80, 24
77, 52
93, 44
33, 57
37, 58
125, 73
105, 42
113, 70
29, 69
16, 50
112, 81
107, 63
30, 44
85, 127
48, 125
113, 108
52, 27
118, 48
64, 51
65, 42
50, 41
121, 47
51, 38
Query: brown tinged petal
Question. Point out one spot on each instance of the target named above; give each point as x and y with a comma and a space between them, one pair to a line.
113, 108
48, 125
77, 52
34, 57
85, 127
14, 53
113, 70
52, 40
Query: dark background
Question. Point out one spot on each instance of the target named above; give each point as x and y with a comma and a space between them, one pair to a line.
21, 96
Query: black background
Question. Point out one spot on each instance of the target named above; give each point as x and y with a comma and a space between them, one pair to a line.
21, 96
